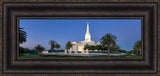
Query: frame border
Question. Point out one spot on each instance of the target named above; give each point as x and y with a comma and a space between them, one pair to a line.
8, 70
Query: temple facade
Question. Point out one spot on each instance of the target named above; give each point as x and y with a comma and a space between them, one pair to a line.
79, 46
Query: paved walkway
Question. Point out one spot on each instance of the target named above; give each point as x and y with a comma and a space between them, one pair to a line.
79, 54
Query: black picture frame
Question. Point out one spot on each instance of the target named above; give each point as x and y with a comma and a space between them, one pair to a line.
11, 12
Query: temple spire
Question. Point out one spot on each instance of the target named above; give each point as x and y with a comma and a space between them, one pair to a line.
87, 36
87, 31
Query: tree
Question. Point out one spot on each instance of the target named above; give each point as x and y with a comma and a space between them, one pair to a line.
123, 51
86, 46
104, 47
89, 47
23, 50
137, 46
115, 48
57, 46
98, 47
108, 40
52, 43
39, 48
131, 52
68, 45
92, 47
22, 36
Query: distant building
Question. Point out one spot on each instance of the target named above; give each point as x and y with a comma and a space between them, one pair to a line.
45, 52
79, 46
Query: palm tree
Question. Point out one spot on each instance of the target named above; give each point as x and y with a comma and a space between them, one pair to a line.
116, 49
57, 46
39, 48
137, 46
53, 44
109, 40
68, 45
103, 47
22, 36
115, 46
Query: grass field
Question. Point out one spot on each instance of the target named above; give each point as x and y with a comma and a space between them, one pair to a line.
133, 56
29, 55
67, 56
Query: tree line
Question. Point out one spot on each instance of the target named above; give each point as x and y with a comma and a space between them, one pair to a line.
108, 44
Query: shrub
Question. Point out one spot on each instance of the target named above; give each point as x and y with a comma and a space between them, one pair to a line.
26, 50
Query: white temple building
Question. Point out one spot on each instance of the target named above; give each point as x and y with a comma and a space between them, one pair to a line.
79, 46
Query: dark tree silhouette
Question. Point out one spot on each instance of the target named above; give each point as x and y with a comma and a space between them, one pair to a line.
22, 36
109, 40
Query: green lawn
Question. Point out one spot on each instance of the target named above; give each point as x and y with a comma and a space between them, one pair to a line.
67, 56
29, 55
133, 56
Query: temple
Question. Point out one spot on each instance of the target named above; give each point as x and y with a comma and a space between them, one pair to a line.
79, 46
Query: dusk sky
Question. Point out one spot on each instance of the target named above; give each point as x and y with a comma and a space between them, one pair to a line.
41, 31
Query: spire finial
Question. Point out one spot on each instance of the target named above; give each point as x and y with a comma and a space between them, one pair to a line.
87, 27
87, 36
